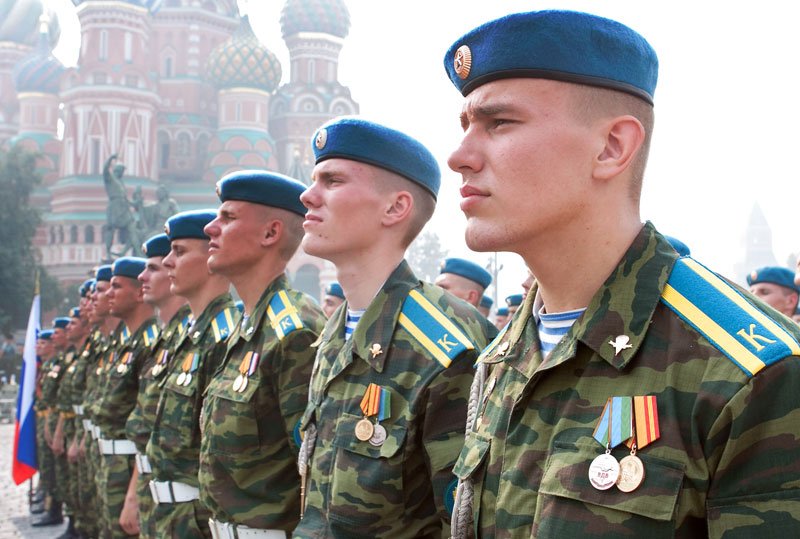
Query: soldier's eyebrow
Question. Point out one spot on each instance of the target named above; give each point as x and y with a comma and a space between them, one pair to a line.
473, 112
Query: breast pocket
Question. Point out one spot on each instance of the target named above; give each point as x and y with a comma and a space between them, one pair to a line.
178, 418
367, 480
570, 506
470, 465
231, 423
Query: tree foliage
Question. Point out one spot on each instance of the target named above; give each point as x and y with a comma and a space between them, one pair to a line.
18, 221
425, 255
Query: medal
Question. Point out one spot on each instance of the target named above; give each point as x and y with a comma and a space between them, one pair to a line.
378, 434
245, 381
181, 378
604, 471
121, 368
631, 473
156, 370
247, 367
188, 379
364, 429
237, 384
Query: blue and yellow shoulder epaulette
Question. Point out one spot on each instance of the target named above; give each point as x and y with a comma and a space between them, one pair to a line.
283, 315
150, 335
433, 329
223, 323
745, 334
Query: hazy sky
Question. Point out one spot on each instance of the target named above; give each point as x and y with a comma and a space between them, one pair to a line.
727, 113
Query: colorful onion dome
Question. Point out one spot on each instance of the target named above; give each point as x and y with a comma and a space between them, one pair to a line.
19, 22
41, 71
151, 5
324, 16
242, 61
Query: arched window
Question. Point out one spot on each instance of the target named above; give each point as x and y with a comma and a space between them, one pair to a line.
103, 49
167, 72
52, 235
163, 149
88, 234
73, 234
184, 146
60, 234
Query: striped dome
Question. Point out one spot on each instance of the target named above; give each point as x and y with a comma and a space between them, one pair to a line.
41, 71
19, 22
242, 61
324, 16
151, 5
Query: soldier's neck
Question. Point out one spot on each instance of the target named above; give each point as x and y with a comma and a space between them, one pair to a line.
168, 308
138, 316
213, 288
250, 285
361, 278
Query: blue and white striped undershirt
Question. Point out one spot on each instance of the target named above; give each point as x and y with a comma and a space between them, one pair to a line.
353, 316
553, 326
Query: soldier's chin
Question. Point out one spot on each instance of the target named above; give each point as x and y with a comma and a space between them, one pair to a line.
480, 239
313, 245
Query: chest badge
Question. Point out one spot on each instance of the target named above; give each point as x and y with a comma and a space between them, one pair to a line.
622, 342
375, 350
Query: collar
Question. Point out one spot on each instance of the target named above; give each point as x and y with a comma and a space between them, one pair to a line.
377, 325
202, 323
249, 327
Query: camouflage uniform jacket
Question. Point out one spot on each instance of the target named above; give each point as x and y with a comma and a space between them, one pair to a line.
102, 347
143, 417
248, 458
174, 445
121, 385
65, 391
420, 344
50, 372
727, 462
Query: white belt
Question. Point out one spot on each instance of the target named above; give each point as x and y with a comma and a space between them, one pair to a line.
95, 432
87, 425
173, 492
224, 530
78, 409
117, 447
143, 464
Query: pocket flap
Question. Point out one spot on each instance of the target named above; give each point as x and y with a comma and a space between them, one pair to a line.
224, 390
476, 447
346, 438
566, 475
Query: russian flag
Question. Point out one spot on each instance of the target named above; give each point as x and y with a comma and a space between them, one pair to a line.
24, 464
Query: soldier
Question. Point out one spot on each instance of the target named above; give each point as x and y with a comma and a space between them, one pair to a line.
775, 286
117, 397
174, 446
557, 119
388, 400
332, 299
49, 397
175, 315
501, 317
513, 302
251, 416
485, 306
464, 279
47, 467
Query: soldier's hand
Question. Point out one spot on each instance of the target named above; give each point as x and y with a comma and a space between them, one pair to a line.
72, 452
129, 518
82, 447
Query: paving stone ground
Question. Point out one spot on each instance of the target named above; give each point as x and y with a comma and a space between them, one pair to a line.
15, 517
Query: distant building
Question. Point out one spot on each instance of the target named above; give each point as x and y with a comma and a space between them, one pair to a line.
757, 246
182, 91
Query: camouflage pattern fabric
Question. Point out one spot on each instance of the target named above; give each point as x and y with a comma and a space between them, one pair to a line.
46, 460
402, 487
248, 458
66, 473
83, 490
174, 445
117, 398
187, 520
141, 421
727, 463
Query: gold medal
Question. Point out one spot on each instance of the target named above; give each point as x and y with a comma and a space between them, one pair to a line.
98, 370
122, 368
188, 379
237, 384
631, 473
378, 435
245, 381
364, 429
181, 378
604, 471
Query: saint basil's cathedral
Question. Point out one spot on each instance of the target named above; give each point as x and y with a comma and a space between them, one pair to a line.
181, 90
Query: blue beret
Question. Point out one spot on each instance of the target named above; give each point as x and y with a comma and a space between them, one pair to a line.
75, 312
103, 273
514, 300
502, 311
129, 266
85, 287
374, 144
61, 322
263, 187
239, 306
158, 245
334, 289
467, 269
45, 334
189, 224
679, 246
486, 302
775, 275
566, 46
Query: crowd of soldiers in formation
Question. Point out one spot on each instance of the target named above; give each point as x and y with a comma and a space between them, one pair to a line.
631, 392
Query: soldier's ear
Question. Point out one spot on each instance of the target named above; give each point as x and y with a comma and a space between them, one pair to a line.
621, 139
273, 231
398, 208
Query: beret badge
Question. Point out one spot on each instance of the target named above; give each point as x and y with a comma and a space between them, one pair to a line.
754, 275
462, 62
321, 138
166, 229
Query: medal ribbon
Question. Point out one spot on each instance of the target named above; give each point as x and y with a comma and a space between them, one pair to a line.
646, 420
386, 404
244, 366
162, 357
189, 363
616, 424
195, 362
253, 364
370, 402
127, 358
